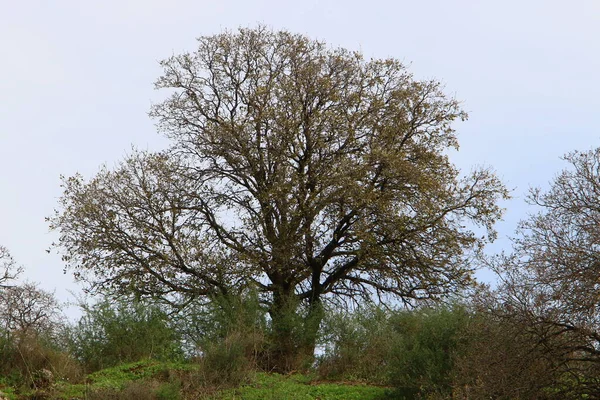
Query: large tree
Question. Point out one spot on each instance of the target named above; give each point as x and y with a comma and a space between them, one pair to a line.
300, 170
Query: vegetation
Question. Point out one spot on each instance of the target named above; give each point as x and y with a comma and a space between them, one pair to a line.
115, 332
308, 203
8, 268
298, 387
548, 296
305, 173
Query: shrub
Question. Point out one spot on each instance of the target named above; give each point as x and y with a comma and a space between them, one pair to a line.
427, 344
169, 391
109, 334
413, 350
505, 358
356, 345
208, 327
24, 358
226, 363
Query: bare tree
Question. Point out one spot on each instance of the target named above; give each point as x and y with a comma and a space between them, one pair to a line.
9, 270
551, 281
305, 172
26, 309
508, 353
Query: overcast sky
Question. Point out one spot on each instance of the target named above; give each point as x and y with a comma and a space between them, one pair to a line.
76, 83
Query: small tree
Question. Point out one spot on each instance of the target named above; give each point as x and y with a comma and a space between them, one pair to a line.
304, 172
25, 308
28, 310
31, 322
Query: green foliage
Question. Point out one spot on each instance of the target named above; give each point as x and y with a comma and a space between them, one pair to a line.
169, 391
112, 333
412, 350
168, 381
154, 377
357, 345
426, 345
135, 390
211, 328
207, 323
292, 335
117, 376
226, 363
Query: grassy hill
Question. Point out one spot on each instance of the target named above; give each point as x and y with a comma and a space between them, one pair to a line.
148, 380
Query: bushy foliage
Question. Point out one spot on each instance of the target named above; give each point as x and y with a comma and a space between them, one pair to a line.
413, 350
112, 333
239, 326
208, 322
427, 344
205, 325
357, 345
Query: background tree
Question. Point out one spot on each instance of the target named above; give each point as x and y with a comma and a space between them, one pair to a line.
26, 309
8, 268
301, 171
31, 323
502, 355
550, 282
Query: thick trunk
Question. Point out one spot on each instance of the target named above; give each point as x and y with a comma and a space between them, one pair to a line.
283, 320
312, 323
294, 334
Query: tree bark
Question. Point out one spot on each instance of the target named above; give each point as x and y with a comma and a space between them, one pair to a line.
293, 334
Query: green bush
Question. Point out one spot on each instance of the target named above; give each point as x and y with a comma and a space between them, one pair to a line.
226, 362
113, 333
413, 350
169, 391
206, 327
357, 345
427, 343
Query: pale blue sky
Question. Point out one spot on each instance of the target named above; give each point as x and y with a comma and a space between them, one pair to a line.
76, 82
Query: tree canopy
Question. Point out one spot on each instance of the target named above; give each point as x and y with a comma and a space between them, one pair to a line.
301, 171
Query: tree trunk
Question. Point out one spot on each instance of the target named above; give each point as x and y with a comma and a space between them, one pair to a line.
294, 335
312, 323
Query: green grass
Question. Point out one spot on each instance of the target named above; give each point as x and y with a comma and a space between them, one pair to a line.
300, 387
117, 377
260, 386
8, 393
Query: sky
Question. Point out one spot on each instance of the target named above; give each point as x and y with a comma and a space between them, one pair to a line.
76, 84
